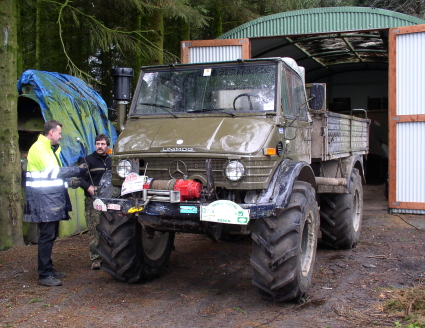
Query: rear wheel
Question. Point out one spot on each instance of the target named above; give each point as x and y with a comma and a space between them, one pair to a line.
284, 247
128, 253
341, 215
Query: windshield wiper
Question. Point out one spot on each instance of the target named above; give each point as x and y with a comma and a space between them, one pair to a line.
161, 106
210, 110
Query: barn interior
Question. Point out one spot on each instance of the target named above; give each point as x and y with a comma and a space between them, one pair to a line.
354, 67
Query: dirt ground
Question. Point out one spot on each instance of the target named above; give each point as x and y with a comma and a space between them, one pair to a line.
209, 284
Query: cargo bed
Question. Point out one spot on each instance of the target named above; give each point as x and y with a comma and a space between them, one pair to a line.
338, 135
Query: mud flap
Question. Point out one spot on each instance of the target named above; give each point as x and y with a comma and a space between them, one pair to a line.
105, 185
213, 230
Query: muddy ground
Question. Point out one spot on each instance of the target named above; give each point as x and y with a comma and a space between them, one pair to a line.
209, 284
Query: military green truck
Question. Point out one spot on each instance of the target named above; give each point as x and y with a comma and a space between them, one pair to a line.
231, 149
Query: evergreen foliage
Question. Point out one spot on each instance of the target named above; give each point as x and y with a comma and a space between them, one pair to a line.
88, 38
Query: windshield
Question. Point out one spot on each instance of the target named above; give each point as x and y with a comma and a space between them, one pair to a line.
230, 89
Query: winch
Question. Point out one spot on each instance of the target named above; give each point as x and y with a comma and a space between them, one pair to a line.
189, 189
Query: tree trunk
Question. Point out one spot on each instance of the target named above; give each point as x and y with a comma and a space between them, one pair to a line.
158, 27
185, 30
19, 64
37, 34
218, 19
11, 204
138, 62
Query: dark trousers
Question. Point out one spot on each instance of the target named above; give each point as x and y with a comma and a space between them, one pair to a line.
48, 233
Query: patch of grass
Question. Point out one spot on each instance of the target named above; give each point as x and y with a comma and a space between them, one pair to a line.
388, 289
239, 309
409, 305
34, 300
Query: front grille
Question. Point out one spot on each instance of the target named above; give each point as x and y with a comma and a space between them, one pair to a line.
160, 168
259, 170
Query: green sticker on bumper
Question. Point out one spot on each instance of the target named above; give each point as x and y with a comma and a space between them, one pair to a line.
188, 209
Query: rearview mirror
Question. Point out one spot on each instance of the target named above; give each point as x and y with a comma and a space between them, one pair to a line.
317, 95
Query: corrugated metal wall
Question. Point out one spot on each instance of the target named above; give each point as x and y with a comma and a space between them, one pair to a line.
203, 51
219, 53
410, 101
407, 120
411, 74
410, 162
331, 19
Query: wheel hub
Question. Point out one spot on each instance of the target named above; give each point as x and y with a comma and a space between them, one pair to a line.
307, 245
154, 247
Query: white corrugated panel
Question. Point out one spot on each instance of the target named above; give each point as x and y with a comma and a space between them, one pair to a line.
405, 211
213, 54
410, 95
411, 74
410, 160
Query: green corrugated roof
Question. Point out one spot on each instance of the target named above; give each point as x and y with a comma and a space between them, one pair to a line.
321, 20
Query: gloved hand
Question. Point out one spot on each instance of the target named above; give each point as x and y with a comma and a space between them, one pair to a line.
74, 183
83, 168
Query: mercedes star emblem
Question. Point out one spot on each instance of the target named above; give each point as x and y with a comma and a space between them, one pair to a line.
177, 170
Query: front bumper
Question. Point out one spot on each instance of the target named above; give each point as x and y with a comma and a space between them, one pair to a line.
165, 210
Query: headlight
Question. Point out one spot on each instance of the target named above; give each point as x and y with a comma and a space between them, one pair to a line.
124, 168
234, 170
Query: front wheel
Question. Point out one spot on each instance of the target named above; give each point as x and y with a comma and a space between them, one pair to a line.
284, 247
128, 253
341, 215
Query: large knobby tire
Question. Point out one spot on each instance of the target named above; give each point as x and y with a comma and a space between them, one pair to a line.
284, 247
128, 254
341, 215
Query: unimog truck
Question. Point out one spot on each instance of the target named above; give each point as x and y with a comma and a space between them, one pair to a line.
231, 149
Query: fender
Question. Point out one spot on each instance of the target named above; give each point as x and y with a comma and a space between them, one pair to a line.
282, 182
341, 168
353, 162
357, 162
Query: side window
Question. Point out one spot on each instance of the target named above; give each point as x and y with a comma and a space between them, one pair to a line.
293, 95
286, 94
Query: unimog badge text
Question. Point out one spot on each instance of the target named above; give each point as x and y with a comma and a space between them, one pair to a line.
177, 149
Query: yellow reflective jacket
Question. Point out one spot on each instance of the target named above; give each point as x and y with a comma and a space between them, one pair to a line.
47, 199
41, 155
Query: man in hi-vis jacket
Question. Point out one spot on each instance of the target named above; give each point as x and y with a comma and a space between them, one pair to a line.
47, 200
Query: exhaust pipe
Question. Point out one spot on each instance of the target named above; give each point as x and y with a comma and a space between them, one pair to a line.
122, 77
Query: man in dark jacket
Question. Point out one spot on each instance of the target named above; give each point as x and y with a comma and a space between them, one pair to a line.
47, 200
98, 163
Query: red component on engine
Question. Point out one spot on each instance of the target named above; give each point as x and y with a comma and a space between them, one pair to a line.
148, 184
189, 189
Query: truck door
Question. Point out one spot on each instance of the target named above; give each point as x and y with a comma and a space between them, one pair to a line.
407, 119
296, 134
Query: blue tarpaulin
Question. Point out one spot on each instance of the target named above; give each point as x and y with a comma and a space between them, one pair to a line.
81, 110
